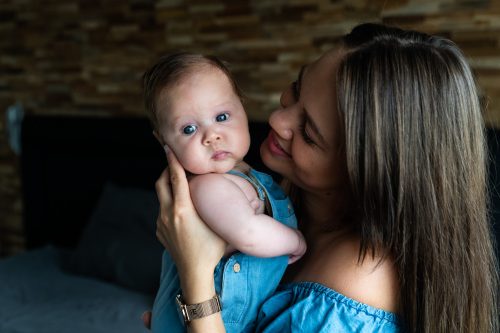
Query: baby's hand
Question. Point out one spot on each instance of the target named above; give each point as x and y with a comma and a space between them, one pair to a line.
301, 249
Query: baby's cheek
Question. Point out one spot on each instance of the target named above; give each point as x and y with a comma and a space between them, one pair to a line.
194, 165
188, 162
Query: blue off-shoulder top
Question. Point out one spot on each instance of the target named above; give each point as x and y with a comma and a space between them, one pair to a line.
312, 307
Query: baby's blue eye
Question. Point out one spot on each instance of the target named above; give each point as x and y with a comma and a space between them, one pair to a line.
189, 129
222, 117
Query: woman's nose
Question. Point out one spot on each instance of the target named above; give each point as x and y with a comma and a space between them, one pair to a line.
282, 122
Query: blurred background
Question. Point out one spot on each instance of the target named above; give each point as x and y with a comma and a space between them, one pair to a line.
86, 57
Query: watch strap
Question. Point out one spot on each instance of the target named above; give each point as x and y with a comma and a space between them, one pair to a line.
199, 310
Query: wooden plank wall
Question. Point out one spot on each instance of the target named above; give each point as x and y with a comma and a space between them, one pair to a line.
87, 56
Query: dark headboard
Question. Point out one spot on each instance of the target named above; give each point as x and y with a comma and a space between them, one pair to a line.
67, 160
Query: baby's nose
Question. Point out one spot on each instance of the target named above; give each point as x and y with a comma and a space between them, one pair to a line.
210, 138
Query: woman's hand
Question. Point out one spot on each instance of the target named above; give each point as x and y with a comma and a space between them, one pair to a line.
194, 247
146, 319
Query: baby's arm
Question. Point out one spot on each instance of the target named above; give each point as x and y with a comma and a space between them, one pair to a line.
227, 211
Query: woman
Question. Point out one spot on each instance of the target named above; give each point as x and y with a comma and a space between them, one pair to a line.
381, 144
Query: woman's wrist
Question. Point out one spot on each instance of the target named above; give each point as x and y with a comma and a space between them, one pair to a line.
197, 288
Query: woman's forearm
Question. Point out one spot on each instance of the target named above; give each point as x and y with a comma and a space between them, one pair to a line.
195, 248
197, 288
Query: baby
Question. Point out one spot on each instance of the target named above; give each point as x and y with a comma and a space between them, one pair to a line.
196, 110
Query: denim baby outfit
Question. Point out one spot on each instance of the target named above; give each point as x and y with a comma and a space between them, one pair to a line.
243, 282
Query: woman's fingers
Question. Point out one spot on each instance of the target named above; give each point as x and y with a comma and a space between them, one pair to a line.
164, 194
163, 188
172, 189
161, 232
178, 180
146, 319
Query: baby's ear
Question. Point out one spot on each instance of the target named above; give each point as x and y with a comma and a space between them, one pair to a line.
158, 137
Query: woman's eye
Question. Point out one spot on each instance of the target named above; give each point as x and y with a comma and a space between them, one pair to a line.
222, 117
295, 90
306, 137
189, 129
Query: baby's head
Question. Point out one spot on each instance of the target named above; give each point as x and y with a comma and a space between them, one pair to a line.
195, 107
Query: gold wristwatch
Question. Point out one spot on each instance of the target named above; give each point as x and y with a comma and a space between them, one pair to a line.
195, 311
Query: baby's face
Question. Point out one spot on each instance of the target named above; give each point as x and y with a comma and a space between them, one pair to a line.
203, 121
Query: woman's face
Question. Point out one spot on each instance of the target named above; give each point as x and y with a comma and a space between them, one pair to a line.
305, 144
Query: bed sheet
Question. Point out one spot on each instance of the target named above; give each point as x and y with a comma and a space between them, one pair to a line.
37, 295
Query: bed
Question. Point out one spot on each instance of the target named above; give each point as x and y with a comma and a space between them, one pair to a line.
92, 262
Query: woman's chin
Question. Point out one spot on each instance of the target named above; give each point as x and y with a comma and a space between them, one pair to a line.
265, 156
269, 160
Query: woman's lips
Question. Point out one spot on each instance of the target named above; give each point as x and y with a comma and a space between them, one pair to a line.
220, 155
274, 146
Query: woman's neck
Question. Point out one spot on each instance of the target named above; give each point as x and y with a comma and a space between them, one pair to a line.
324, 213
325, 224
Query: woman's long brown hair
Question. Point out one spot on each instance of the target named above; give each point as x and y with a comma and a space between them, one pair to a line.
416, 156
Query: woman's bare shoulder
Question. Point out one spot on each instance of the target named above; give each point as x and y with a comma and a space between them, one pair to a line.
371, 281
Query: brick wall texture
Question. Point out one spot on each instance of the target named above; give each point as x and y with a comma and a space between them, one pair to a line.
87, 56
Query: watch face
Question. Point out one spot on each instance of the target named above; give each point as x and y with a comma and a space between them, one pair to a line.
181, 317
180, 312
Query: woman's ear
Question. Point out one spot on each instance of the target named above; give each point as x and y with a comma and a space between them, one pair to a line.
158, 137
